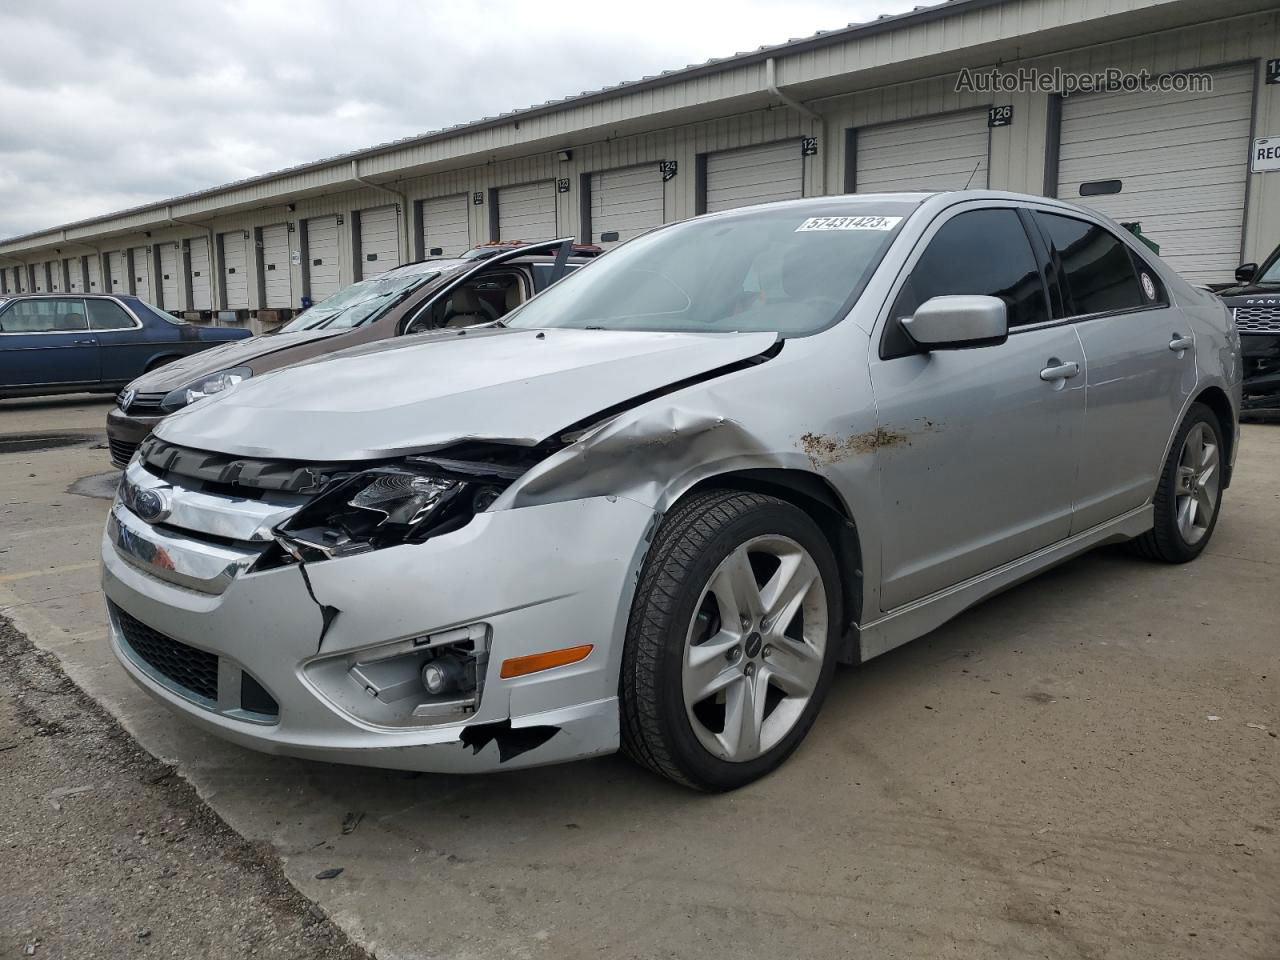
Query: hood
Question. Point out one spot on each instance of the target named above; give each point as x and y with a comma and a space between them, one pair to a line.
1252, 294
236, 353
517, 386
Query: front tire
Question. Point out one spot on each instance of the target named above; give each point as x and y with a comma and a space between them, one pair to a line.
1189, 495
731, 643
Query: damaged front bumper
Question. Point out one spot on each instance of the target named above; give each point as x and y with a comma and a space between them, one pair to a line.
279, 659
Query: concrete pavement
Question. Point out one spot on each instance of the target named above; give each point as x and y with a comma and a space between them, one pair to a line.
1040, 777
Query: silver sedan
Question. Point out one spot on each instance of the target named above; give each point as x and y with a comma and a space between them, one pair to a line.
656, 506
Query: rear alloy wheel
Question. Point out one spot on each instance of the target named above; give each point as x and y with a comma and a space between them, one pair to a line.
1189, 496
729, 649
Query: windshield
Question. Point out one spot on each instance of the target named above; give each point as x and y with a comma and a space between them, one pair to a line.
357, 304
791, 269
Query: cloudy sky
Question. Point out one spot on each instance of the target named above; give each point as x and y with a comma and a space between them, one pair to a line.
109, 105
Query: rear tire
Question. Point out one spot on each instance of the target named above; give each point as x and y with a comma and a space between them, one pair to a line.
731, 643
1189, 496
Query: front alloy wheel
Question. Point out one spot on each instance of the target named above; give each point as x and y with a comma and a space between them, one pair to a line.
729, 652
755, 648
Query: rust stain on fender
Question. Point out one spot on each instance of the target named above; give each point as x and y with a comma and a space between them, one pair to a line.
823, 449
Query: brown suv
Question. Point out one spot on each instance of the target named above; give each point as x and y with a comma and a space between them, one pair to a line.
479, 287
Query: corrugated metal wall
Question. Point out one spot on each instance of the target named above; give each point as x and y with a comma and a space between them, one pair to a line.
1177, 159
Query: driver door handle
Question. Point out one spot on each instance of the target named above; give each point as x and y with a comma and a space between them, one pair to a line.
1180, 343
1059, 371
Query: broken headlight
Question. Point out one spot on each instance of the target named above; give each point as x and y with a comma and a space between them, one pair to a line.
382, 507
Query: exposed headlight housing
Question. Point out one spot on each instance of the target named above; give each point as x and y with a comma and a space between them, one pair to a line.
206, 386
382, 507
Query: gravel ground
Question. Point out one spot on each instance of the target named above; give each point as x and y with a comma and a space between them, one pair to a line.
107, 853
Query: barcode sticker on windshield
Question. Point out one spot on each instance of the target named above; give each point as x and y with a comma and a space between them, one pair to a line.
849, 223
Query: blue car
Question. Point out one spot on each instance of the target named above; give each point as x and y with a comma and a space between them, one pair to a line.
55, 343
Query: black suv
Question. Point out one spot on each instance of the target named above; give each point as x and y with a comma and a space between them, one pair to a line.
1254, 299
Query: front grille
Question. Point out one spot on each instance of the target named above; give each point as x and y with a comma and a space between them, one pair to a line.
195, 671
143, 405
1258, 319
121, 452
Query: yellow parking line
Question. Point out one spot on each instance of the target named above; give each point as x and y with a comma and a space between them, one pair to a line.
49, 572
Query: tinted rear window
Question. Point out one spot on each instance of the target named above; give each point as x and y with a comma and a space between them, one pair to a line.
1095, 270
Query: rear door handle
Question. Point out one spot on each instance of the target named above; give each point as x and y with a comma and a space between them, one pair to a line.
1059, 371
86, 343
1180, 343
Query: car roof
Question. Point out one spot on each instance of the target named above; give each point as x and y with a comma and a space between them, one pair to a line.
447, 265
62, 295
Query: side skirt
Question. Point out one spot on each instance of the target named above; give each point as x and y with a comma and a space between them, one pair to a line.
917, 618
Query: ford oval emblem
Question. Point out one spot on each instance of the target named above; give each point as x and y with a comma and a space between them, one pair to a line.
151, 505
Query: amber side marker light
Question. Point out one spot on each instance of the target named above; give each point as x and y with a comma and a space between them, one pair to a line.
521, 666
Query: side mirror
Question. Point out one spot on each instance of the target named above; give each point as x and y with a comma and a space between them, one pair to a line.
956, 323
1246, 272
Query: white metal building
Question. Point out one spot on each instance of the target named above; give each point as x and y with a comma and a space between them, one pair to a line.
864, 108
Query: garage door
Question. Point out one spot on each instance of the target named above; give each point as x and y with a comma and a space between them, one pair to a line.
276, 283
1182, 163
932, 153
75, 275
739, 178
626, 202
118, 276
55, 275
94, 272
170, 288
235, 269
322, 257
41, 283
527, 211
142, 272
444, 226
198, 254
379, 241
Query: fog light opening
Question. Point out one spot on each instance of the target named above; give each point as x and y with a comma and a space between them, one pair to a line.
427, 679
445, 674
